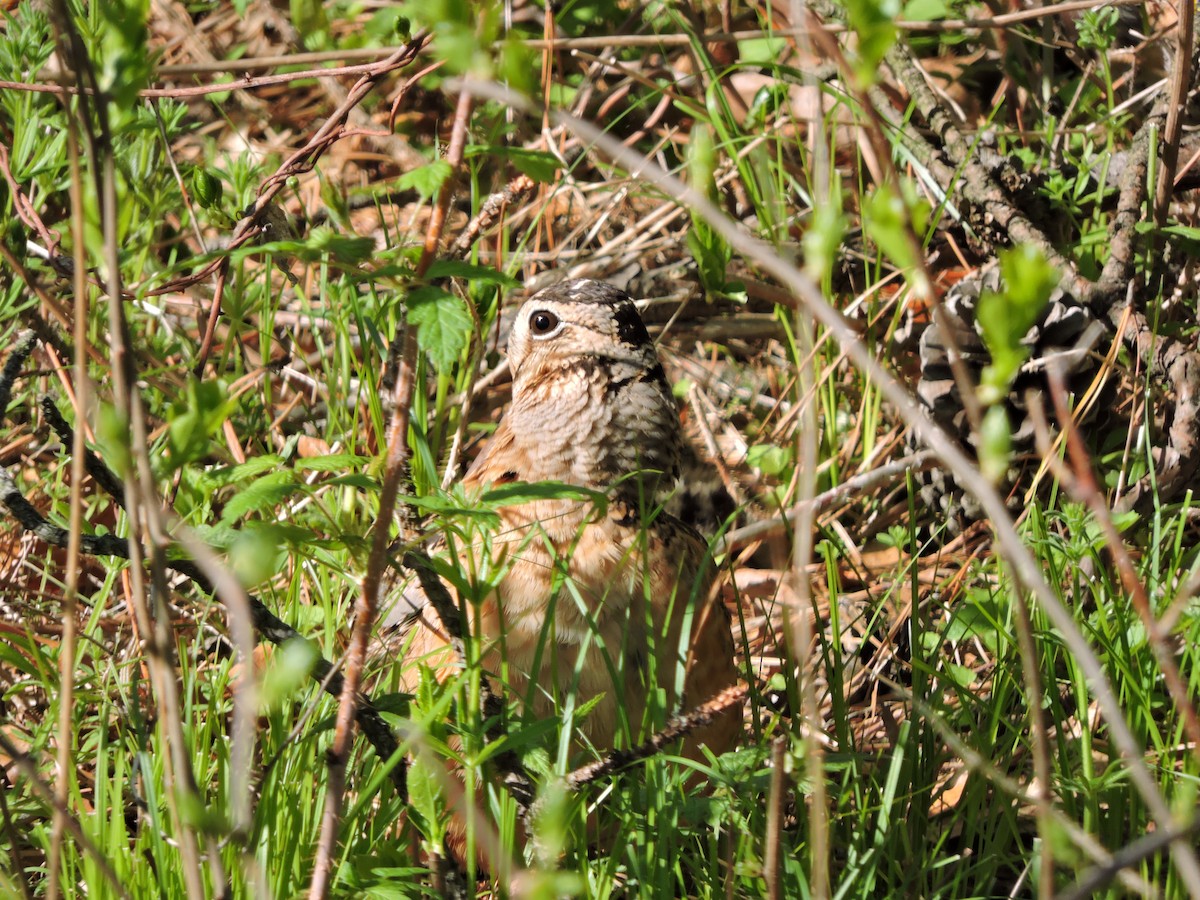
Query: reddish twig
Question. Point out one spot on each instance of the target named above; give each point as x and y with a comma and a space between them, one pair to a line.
301, 161
23, 208
200, 90
1082, 484
394, 469
146, 573
493, 209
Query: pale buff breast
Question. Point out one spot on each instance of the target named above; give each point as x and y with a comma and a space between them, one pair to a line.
599, 639
595, 639
592, 575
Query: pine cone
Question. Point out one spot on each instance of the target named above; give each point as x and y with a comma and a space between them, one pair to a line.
1063, 336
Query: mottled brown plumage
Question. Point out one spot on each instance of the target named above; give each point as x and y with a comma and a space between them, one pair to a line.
591, 407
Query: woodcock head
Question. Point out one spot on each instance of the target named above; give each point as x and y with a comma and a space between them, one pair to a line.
591, 404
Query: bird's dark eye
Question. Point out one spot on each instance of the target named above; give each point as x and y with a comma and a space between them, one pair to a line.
542, 322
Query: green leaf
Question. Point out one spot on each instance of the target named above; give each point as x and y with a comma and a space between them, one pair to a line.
768, 101
711, 253
322, 244
286, 673
389, 25
769, 459
927, 10
995, 448
355, 480
443, 323
335, 462
527, 492
126, 65
195, 419
518, 65
977, 618
17, 652
447, 505
346, 249
1097, 28
310, 21
523, 739
874, 23
761, 51
453, 268
886, 217
425, 795
709, 249
426, 180
702, 160
264, 494
1187, 232
1123, 521
1005, 318
219, 536
963, 676
257, 554
823, 239
113, 435
227, 475
536, 164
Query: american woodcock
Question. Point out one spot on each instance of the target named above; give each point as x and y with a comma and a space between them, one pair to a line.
612, 600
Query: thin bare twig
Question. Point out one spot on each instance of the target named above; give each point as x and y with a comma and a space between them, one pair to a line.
1181, 78
200, 90
149, 601
66, 658
862, 483
1093, 881
258, 63
773, 839
491, 210
300, 161
1117, 275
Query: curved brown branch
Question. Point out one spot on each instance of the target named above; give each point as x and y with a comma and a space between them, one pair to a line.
702, 715
299, 162
1181, 80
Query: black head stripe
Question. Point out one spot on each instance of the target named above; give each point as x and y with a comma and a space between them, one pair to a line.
655, 374
630, 329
